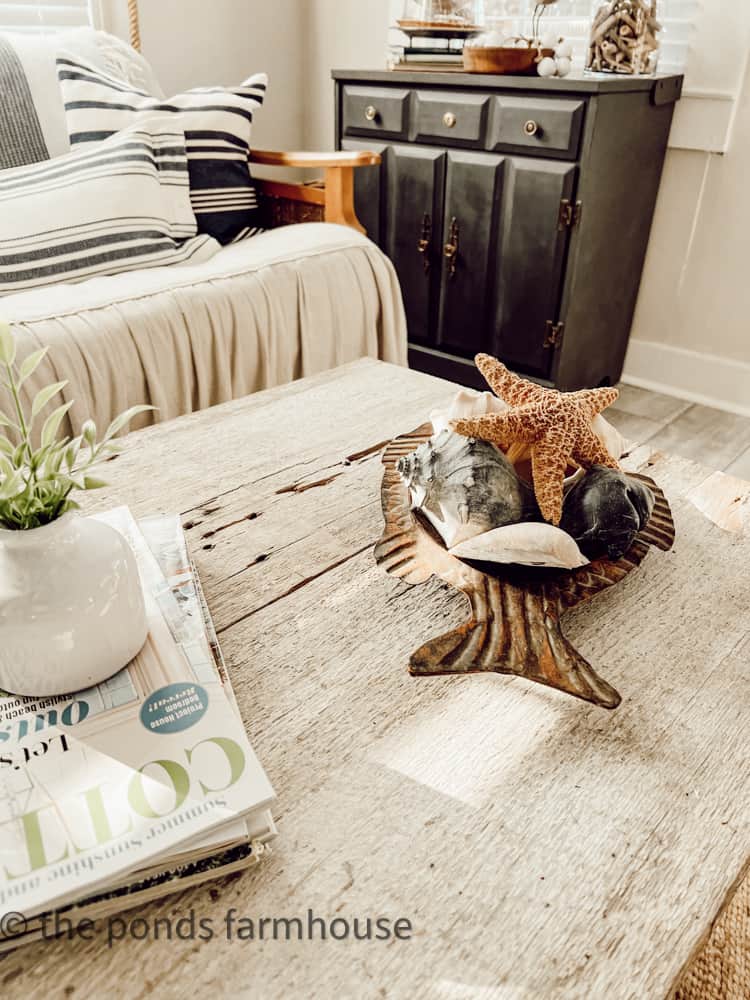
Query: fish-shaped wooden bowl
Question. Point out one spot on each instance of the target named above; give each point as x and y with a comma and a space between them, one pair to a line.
514, 626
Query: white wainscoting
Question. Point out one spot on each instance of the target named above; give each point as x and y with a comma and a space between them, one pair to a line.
702, 378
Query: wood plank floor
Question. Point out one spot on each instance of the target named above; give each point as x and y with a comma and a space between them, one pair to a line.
714, 438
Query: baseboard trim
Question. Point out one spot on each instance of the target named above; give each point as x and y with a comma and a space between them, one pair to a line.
707, 379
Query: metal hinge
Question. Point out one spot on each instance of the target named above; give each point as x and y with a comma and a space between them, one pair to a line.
570, 214
554, 334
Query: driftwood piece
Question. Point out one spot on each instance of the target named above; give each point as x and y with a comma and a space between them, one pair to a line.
514, 626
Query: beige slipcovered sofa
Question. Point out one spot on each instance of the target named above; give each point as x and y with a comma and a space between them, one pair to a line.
287, 303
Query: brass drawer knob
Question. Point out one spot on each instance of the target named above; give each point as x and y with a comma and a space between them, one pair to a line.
449, 119
371, 113
531, 127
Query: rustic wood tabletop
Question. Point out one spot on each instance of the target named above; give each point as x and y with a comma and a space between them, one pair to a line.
540, 847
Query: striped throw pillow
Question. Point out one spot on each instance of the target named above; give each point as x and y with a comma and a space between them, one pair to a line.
217, 125
122, 205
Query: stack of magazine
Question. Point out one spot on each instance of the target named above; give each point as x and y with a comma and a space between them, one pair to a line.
143, 785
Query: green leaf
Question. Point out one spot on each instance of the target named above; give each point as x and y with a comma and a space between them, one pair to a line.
52, 424
7, 344
5, 420
71, 452
6, 447
88, 433
44, 396
92, 483
30, 364
12, 486
124, 418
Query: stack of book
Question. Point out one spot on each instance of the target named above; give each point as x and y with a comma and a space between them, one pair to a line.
438, 50
138, 787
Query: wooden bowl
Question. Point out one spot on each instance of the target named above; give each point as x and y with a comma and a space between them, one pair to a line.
505, 60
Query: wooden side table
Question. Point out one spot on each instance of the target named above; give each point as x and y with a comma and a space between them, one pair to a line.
516, 210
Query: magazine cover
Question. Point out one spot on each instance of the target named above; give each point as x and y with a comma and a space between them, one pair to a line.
106, 780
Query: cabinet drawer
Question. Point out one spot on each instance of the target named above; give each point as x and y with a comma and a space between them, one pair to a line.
375, 111
450, 118
548, 127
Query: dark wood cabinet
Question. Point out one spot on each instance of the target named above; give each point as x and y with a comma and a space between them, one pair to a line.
516, 212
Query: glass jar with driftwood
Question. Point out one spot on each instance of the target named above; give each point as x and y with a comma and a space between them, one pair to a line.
624, 37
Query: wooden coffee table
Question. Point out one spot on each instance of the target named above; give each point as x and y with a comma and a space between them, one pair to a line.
539, 846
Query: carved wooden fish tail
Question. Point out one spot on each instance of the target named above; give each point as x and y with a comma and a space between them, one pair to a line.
460, 650
514, 630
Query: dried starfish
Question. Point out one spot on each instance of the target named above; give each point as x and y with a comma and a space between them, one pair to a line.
557, 426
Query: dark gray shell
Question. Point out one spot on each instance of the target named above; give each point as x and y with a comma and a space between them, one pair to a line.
467, 481
604, 512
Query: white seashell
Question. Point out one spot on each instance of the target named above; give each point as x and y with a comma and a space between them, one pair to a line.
549, 39
467, 403
609, 436
564, 65
564, 50
529, 543
547, 67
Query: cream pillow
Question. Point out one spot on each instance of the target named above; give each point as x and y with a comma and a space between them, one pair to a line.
32, 115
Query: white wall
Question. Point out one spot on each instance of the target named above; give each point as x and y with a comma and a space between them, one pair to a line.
348, 35
695, 293
194, 43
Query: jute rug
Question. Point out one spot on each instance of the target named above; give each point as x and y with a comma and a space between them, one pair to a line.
721, 971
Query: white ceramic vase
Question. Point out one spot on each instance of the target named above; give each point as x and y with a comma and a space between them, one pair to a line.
71, 606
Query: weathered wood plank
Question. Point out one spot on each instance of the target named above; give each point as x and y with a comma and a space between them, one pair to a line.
704, 434
740, 467
650, 405
540, 847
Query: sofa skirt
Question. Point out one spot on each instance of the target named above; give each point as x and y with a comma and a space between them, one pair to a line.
285, 304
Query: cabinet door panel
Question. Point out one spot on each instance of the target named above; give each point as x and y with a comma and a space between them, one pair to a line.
474, 187
530, 261
368, 190
414, 181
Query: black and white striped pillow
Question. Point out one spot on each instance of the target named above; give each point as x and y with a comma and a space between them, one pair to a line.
124, 204
217, 123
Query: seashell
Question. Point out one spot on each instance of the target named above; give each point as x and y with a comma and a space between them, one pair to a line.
609, 436
467, 403
604, 512
529, 544
465, 487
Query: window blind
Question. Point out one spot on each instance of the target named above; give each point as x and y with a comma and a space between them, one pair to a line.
38, 16
678, 18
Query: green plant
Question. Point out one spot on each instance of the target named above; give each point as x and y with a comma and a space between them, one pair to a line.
36, 483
